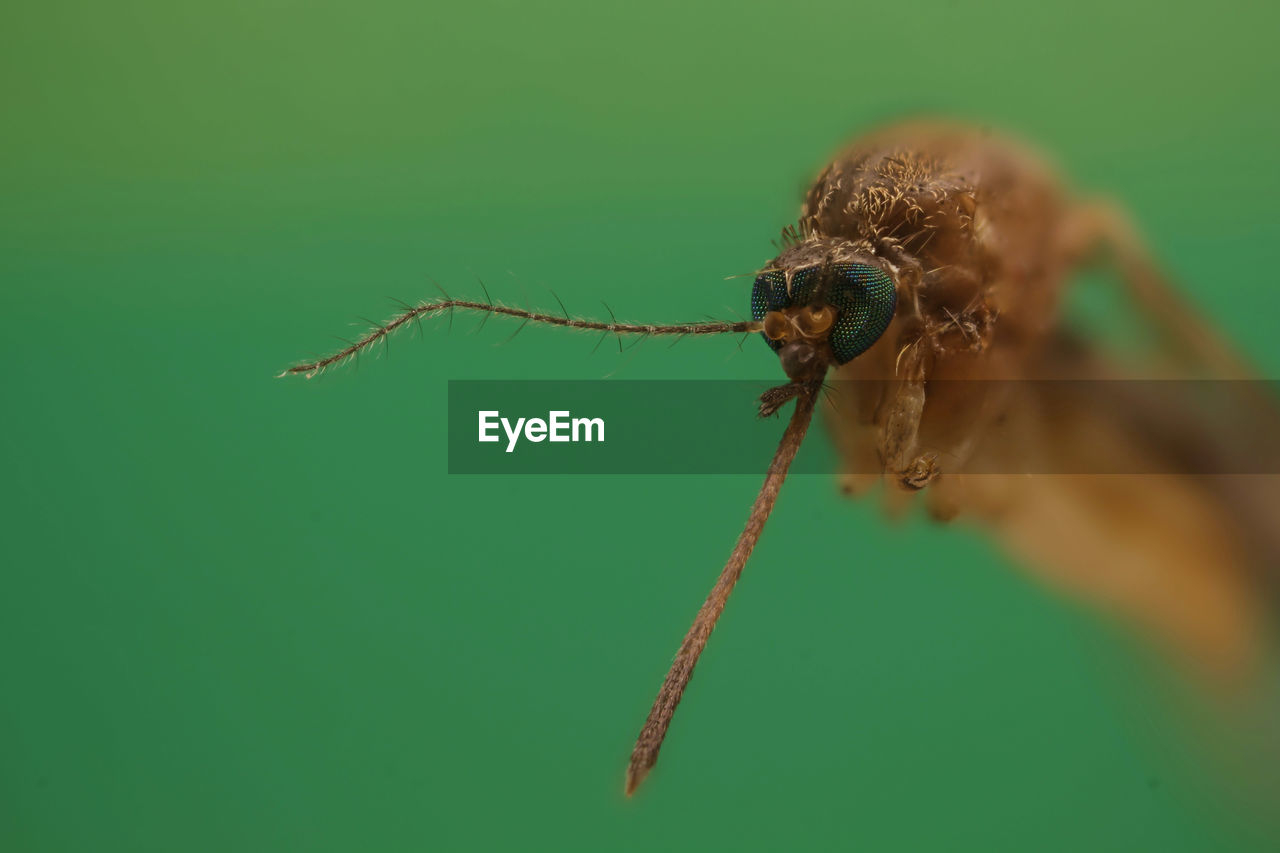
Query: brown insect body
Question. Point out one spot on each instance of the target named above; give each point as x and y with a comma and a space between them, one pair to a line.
981, 238
974, 233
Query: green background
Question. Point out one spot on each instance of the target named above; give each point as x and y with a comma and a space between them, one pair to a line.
247, 613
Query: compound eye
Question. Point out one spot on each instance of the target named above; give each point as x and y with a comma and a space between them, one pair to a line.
815, 322
865, 298
776, 325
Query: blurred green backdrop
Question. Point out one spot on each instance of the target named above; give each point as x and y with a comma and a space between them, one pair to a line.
242, 613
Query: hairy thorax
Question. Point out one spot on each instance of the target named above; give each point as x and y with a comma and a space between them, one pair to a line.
972, 229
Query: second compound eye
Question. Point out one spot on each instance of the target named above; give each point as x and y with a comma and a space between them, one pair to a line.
776, 325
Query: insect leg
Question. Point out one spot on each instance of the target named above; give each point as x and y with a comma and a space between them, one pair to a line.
1103, 227
898, 439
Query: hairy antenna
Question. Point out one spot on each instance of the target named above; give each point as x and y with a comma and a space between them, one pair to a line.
645, 754
382, 332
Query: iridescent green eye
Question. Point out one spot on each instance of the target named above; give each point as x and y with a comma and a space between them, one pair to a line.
862, 296
769, 294
865, 297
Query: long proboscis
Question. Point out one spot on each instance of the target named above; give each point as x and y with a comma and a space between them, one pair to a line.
417, 312
645, 754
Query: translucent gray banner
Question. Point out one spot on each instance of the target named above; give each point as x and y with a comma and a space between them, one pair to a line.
1197, 427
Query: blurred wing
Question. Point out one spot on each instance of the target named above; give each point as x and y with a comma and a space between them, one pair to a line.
1152, 480
1138, 494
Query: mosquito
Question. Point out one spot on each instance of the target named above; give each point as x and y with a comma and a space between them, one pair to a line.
928, 252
